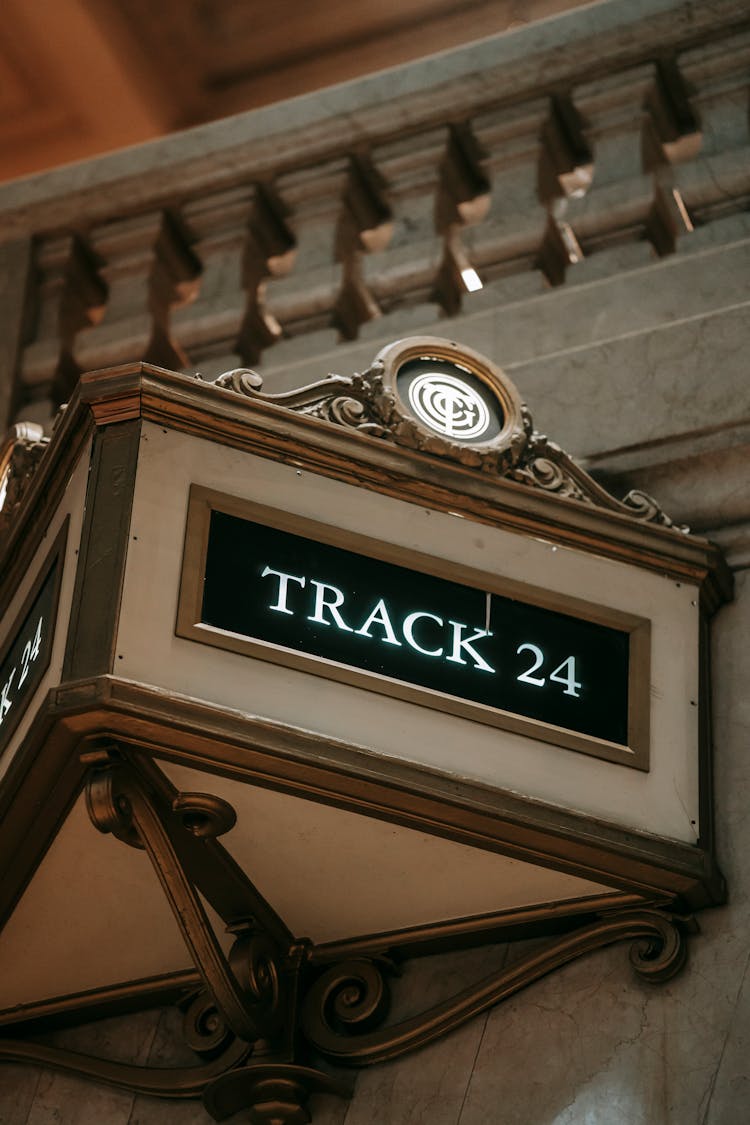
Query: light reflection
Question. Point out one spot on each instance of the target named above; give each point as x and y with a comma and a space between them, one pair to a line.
471, 280
683, 210
4, 487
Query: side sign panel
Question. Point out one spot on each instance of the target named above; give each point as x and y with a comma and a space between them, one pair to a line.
26, 656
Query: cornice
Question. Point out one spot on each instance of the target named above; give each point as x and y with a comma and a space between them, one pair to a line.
301, 132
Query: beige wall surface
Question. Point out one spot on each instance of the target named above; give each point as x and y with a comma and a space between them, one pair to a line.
637, 365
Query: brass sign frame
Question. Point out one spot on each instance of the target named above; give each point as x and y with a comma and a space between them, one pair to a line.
203, 501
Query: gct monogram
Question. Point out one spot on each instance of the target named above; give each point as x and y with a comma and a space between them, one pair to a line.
449, 405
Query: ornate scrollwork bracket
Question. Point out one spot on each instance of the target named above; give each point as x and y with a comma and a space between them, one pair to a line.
544, 465
340, 1006
20, 454
248, 1009
272, 1009
358, 402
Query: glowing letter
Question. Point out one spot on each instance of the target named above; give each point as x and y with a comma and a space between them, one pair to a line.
379, 616
5, 700
332, 606
465, 644
409, 623
281, 606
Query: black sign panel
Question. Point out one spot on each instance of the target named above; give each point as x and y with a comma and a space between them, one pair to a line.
449, 399
293, 592
27, 657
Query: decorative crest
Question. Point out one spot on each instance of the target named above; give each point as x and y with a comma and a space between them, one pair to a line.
428, 394
423, 393
20, 454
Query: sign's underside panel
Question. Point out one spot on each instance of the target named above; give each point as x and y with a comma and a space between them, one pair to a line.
328, 873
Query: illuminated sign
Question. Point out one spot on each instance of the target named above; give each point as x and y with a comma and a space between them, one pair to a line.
287, 594
26, 657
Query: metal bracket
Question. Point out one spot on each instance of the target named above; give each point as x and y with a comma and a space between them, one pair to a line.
268, 1012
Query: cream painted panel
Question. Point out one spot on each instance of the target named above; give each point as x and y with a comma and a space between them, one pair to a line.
93, 915
334, 874
72, 504
663, 801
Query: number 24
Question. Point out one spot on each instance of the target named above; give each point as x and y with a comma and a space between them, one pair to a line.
30, 652
565, 673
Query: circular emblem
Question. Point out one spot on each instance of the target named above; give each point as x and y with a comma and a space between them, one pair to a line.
449, 405
451, 402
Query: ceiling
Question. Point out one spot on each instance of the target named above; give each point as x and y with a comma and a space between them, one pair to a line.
81, 77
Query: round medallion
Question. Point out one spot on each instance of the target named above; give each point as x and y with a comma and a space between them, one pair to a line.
449, 405
450, 399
